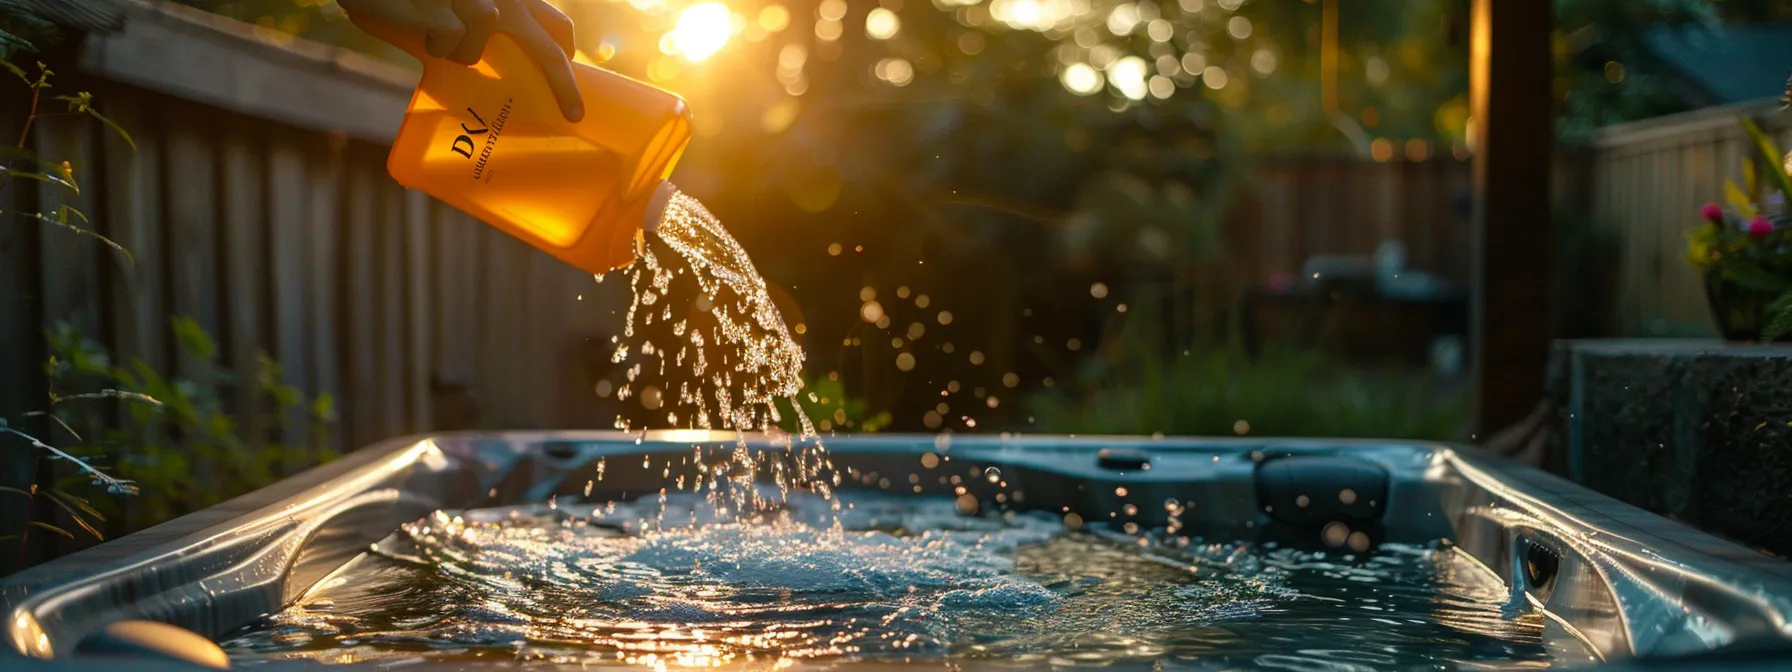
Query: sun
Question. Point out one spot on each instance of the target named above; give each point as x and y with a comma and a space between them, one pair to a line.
702, 30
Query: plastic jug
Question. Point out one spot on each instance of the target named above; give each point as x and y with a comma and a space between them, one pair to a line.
490, 140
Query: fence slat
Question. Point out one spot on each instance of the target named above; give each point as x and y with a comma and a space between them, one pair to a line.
360, 229
21, 348
475, 299
453, 289
289, 249
192, 216
1623, 193
417, 300
72, 293
133, 218
324, 274
132, 214
243, 229
1677, 216
498, 352
389, 269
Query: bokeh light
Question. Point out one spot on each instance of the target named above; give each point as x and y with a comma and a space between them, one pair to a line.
1128, 75
1161, 87
1239, 27
895, 71
702, 30
882, 24
1081, 79
1215, 76
774, 18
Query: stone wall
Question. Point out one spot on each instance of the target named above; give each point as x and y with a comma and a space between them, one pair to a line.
1698, 431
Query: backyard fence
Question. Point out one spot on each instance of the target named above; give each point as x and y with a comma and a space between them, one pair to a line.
1301, 206
256, 202
1647, 181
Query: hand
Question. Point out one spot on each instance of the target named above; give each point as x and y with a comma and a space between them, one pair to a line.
459, 29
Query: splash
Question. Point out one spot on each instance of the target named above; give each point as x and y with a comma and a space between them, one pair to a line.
704, 347
676, 583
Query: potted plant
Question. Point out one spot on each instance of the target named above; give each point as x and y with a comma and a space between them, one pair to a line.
1745, 250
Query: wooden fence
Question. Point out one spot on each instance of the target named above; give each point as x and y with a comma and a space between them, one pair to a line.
256, 202
1300, 206
1648, 180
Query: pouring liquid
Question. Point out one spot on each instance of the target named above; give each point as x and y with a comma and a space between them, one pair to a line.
490, 140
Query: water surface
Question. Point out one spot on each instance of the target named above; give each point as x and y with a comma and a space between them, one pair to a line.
677, 583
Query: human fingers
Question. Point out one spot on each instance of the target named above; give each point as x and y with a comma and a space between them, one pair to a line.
554, 21
480, 19
442, 30
547, 53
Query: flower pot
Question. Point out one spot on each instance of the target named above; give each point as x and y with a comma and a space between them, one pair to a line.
1740, 312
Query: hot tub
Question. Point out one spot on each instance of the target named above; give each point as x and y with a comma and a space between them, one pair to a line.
1622, 585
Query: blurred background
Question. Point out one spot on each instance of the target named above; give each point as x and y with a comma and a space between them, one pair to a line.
1075, 215
1215, 217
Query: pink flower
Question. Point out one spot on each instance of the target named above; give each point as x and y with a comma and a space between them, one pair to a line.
1760, 228
1711, 212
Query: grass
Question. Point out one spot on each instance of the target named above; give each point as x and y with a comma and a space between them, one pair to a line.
1137, 386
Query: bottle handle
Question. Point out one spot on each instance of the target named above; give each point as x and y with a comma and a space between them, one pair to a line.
411, 41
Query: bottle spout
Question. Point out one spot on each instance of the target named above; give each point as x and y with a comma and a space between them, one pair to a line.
656, 206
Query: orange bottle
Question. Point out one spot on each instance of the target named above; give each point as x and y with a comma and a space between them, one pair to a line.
490, 140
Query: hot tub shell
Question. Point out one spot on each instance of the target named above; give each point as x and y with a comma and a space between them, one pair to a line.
1625, 583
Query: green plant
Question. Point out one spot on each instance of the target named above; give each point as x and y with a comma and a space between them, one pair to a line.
175, 428
1750, 243
21, 27
19, 162
129, 429
1138, 385
23, 163
827, 404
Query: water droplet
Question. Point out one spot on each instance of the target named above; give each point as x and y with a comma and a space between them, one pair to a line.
992, 474
967, 504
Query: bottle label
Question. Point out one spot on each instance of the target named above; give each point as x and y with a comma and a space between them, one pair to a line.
488, 134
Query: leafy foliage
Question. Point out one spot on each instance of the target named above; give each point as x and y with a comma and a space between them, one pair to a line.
1595, 33
23, 29
127, 428
177, 438
22, 163
1605, 72
826, 403
1750, 243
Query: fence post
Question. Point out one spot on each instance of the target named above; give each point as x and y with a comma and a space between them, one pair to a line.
1510, 78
